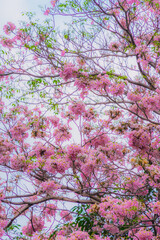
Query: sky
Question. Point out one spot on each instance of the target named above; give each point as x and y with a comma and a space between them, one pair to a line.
11, 10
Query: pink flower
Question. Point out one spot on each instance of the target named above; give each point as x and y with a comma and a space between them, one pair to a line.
37, 224
156, 208
133, 96
114, 46
69, 71
49, 186
131, 1
66, 215
7, 42
79, 235
36, 43
18, 162
47, 11
51, 209
9, 28
62, 133
143, 235
3, 224
63, 53
53, 3
117, 89
77, 108
112, 229
73, 152
53, 120
56, 164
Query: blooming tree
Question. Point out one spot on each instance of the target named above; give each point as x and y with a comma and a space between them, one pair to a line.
79, 131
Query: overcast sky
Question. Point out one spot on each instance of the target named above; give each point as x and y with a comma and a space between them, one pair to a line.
11, 10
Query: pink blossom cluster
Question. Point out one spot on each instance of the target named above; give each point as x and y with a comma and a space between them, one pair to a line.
40, 150
3, 224
66, 215
101, 139
90, 114
152, 103
6, 42
139, 139
83, 80
135, 186
101, 83
35, 224
22, 36
112, 150
18, 162
77, 108
143, 234
6, 148
49, 186
112, 229
87, 128
117, 89
135, 97
53, 3
10, 27
69, 71
154, 173
156, 207
62, 133
19, 131
47, 11
73, 151
56, 164
114, 46
132, 1
3, 221
79, 235
83, 83
51, 209
53, 120
117, 211
88, 167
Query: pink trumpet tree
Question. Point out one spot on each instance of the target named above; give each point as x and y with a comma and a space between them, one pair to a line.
80, 123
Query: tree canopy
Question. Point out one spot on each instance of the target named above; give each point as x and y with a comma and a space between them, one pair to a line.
80, 123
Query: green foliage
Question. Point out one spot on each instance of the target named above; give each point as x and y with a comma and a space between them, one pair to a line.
63, 7
82, 219
33, 84
53, 106
86, 3
15, 230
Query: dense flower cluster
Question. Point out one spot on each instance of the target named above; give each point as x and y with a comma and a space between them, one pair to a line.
85, 154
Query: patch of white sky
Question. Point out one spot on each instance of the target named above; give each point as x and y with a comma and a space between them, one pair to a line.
11, 10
